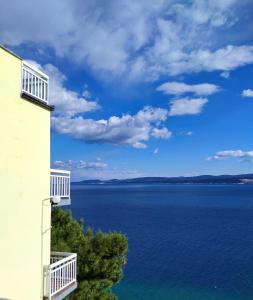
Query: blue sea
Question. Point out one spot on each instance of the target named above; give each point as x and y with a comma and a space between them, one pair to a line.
186, 242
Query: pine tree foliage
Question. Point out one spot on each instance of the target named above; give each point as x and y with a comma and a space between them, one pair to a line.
101, 256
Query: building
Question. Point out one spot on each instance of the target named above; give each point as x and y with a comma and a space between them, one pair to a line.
29, 270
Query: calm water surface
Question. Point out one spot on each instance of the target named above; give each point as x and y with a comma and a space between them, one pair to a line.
185, 242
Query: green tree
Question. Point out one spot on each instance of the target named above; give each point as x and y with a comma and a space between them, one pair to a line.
101, 256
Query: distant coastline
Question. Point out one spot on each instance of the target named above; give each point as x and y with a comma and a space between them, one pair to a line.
202, 179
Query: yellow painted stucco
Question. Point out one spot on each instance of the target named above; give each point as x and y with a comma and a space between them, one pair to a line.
25, 210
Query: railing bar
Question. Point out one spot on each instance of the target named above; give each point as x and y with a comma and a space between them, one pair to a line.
44, 90
70, 277
55, 268
32, 84
54, 186
73, 271
75, 268
66, 186
69, 185
23, 80
55, 280
61, 179
28, 82
36, 86
57, 185
51, 185
40, 93
46, 94
54, 289
58, 279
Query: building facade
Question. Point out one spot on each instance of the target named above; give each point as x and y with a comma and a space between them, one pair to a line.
29, 271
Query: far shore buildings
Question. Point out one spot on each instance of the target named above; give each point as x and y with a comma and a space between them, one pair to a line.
29, 269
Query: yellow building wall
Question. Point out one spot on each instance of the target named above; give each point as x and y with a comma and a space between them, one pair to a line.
25, 210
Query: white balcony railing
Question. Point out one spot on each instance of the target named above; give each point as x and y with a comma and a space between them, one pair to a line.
34, 83
60, 275
60, 184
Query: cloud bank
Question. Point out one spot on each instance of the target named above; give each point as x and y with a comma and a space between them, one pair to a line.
97, 169
187, 106
132, 130
142, 39
180, 88
247, 93
243, 155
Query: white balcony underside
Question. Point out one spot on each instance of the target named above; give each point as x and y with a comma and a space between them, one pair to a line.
64, 293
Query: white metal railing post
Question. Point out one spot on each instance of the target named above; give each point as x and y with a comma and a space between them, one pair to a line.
69, 185
49, 283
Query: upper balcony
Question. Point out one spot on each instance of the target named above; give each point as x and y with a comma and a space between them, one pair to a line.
60, 185
34, 83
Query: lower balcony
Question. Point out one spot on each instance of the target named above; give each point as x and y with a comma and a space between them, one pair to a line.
60, 276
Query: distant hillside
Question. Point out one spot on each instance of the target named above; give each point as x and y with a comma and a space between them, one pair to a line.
203, 179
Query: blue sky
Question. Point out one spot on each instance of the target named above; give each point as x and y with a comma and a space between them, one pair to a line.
147, 88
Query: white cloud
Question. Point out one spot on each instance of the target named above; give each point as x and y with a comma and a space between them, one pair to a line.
187, 106
189, 133
244, 155
225, 74
163, 133
156, 151
180, 88
186, 133
129, 130
80, 164
151, 114
223, 59
247, 93
66, 102
141, 38
86, 93
97, 169
126, 130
